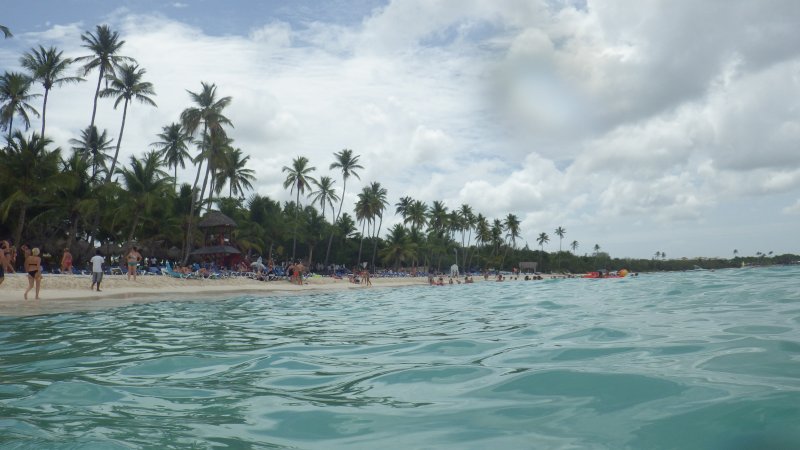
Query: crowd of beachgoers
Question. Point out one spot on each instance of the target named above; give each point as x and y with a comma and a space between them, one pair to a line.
131, 266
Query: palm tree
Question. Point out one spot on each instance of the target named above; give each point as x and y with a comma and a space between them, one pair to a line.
104, 46
560, 232
417, 215
437, 217
467, 218
378, 205
217, 146
298, 178
402, 206
596, 249
363, 211
32, 166
511, 225
146, 184
574, 246
208, 112
14, 98
735, 253
483, 233
325, 194
365, 214
496, 232
173, 145
48, 68
92, 146
542, 239
75, 196
399, 247
6, 32
347, 162
234, 171
126, 87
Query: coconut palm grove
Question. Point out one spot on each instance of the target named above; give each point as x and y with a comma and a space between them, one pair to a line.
82, 195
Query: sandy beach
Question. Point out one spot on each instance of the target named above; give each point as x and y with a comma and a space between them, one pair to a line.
62, 293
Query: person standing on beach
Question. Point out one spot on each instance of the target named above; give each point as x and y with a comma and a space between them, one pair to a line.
365, 277
66, 262
33, 265
5, 249
3, 260
97, 269
26, 252
133, 262
299, 268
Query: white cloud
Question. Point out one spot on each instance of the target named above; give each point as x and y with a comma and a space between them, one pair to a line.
793, 209
613, 120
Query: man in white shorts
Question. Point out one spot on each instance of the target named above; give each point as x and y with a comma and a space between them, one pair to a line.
97, 269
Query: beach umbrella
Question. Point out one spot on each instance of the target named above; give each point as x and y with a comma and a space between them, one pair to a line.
258, 264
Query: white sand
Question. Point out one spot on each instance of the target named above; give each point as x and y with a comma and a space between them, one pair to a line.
61, 293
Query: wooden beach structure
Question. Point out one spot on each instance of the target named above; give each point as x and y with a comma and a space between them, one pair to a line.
219, 246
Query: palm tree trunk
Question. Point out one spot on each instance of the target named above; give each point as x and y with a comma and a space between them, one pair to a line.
119, 142
134, 224
73, 228
466, 250
44, 109
188, 244
203, 189
333, 229
97, 94
10, 127
294, 232
375, 246
360, 245
20, 225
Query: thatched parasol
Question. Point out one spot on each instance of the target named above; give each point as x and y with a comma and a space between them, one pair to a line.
216, 219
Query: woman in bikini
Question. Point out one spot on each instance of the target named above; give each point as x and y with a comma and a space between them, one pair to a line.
133, 262
5, 248
33, 265
66, 262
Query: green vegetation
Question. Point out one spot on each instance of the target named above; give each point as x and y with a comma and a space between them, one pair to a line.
86, 196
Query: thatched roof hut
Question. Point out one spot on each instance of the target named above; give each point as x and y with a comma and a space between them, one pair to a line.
218, 239
215, 219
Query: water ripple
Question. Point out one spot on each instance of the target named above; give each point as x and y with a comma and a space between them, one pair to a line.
705, 360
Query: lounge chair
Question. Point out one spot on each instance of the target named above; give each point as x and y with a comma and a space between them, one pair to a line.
171, 273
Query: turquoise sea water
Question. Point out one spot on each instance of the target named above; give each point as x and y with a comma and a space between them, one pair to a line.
694, 360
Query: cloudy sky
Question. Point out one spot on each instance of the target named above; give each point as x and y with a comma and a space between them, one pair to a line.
640, 126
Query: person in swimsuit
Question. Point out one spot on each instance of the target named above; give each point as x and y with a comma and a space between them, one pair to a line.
3, 260
66, 262
25, 250
5, 249
33, 265
299, 268
133, 262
